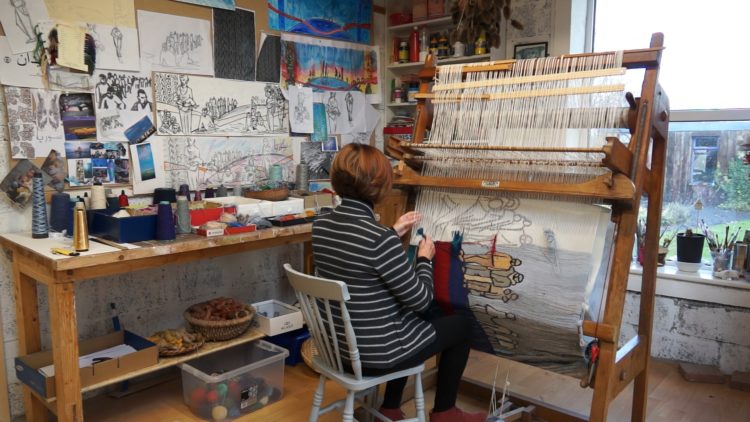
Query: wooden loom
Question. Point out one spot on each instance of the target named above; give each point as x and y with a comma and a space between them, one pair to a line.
633, 170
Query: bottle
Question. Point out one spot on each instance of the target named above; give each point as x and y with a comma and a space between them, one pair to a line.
123, 199
403, 52
434, 46
481, 44
414, 45
424, 44
443, 47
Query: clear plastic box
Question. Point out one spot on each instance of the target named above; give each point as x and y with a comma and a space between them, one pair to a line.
233, 382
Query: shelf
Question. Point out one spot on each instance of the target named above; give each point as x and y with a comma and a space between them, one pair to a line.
416, 66
166, 362
402, 104
430, 23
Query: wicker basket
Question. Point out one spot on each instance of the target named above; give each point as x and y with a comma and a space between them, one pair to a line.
308, 350
220, 330
278, 194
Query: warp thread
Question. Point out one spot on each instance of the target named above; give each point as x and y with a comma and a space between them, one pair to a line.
39, 227
183, 215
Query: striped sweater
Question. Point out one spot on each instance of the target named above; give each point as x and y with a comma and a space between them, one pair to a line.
386, 291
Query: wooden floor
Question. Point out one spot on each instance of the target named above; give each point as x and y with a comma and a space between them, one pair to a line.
671, 399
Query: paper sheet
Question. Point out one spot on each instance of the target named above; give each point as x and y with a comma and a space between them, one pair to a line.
301, 104
116, 47
120, 99
108, 12
71, 44
148, 166
17, 69
88, 360
175, 44
19, 17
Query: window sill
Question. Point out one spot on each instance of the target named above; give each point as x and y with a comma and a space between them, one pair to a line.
701, 286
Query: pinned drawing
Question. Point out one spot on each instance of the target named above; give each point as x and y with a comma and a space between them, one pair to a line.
19, 69
238, 162
344, 20
269, 59
175, 43
318, 161
49, 132
234, 31
301, 103
347, 112
19, 17
201, 106
332, 113
116, 46
122, 99
21, 125
327, 65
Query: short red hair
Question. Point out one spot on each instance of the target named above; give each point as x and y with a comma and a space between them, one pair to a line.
361, 172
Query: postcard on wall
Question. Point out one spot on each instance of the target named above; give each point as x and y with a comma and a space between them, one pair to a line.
175, 43
121, 100
147, 165
116, 47
328, 65
234, 31
17, 185
202, 106
109, 12
18, 69
301, 104
19, 17
77, 114
343, 20
54, 167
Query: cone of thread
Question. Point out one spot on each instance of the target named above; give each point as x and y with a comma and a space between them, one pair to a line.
39, 226
80, 229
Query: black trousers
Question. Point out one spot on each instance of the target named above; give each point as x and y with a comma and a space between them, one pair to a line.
452, 342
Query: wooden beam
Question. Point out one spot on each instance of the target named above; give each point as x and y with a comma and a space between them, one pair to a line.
601, 331
64, 330
629, 362
617, 156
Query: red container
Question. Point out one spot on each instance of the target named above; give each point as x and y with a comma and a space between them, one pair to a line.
399, 18
198, 217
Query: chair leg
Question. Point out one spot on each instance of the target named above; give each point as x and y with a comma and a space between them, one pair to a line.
349, 407
419, 397
317, 399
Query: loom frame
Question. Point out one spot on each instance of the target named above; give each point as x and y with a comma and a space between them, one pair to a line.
637, 170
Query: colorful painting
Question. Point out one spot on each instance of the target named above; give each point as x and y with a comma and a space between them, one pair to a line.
219, 4
328, 65
343, 20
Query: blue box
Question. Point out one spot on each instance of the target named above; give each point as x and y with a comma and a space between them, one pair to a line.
291, 341
124, 230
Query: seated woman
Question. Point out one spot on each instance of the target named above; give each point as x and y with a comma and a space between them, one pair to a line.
388, 294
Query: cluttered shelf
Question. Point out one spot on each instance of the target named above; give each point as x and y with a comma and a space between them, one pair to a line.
429, 23
415, 66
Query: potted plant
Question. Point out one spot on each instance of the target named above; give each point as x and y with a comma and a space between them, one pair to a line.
689, 250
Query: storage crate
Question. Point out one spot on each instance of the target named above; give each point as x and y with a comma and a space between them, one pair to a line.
126, 229
273, 317
232, 382
291, 341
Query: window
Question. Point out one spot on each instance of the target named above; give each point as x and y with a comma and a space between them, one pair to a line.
709, 131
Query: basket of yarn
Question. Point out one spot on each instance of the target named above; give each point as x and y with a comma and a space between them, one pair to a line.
220, 319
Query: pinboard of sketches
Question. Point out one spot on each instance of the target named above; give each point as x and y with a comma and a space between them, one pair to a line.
175, 43
202, 106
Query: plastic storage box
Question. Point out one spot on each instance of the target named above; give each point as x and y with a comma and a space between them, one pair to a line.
233, 382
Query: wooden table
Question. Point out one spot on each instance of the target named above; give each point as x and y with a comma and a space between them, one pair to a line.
33, 261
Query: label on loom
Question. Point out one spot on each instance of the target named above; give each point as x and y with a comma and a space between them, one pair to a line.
490, 184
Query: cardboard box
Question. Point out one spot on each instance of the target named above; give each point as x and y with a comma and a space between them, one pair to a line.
247, 206
289, 206
273, 317
147, 354
315, 200
200, 216
124, 230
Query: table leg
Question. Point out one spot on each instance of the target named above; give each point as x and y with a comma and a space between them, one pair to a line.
64, 329
29, 336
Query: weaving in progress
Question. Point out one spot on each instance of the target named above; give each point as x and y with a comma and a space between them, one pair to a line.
529, 175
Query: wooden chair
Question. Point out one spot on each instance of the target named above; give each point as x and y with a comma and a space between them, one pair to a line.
316, 295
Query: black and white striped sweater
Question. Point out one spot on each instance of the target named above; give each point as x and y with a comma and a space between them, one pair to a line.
386, 290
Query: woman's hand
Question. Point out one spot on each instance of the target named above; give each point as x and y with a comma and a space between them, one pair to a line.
426, 248
406, 222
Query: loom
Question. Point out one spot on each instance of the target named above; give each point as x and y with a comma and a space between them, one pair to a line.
530, 174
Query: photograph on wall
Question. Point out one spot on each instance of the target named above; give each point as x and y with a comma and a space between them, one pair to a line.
78, 149
110, 162
203, 106
54, 167
327, 65
343, 20
17, 184
147, 171
121, 100
318, 161
80, 172
78, 118
173, 43
234, 31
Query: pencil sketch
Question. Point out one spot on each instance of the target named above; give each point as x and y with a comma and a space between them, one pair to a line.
48, 134
301, 113
121, 99
18, 18
346, 112
175, 43
332, 113
202, 162
117, 41
23, 19
201, 106
301, 102
317, 160
116, 46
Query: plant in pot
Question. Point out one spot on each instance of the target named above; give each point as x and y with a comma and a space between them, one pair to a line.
689, 250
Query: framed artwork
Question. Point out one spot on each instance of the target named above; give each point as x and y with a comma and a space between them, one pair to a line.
530, 50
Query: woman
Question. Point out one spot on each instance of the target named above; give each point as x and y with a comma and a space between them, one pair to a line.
387, 293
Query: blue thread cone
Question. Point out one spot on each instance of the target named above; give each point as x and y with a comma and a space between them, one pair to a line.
39, 227
69, 216
165, 222
58, 211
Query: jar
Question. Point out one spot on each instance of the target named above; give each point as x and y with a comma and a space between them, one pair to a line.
403, 52
412, 93
397, 93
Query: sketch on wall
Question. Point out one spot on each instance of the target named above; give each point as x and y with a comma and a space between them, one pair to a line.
19, 17
34, 122
346, 112
318, 161
234, 31
344, 20
121, 99
327, 65
267, 68
201, 106
175, 43
301, 104
202, 162
48, 127
19, 69
116, 47
218, 4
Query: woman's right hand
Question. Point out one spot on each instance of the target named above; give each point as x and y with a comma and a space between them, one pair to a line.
426, 248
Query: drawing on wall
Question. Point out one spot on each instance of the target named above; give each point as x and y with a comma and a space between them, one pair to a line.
301, 103
116, 47
234, 31
268, 67
175, 43
17, 185
62, 79
49, 132
147, 166
19, 69
19, 17
327, 65
320, 125
344, 20
121, 100
346, 112
201, 106
218, 4
77, 114
54, 167
202, 162
108, 12
318, 161
21, 125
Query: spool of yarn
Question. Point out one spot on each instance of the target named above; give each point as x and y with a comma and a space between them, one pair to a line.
302, 180
86, 200
80, 228
70, 214
237, 191
210, 193
221, 191
165, 222
164, 194
39, 227
58, 211
184, 191
276, 173
98, 199
183, 215
197, 196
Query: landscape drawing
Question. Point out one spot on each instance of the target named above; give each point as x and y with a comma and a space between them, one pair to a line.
327, 65
234, 31
19, 17
121, 99
201, 106
175, 43
202, 162
218, 4
344, 20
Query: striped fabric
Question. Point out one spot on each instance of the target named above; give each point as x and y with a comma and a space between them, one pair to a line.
386, 291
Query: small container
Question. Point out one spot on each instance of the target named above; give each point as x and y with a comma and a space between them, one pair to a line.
403, 52
412, 93
419, 10
273, 317
397, 95
739, 258
435, 8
